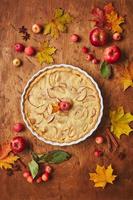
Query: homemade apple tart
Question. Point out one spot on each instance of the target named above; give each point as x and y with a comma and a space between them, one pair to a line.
61, 104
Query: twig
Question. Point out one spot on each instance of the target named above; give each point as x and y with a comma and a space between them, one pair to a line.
114, 141
19, 78
13, 27
30, 60
22, 163
109, 143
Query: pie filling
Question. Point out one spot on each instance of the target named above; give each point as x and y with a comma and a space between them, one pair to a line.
43, 100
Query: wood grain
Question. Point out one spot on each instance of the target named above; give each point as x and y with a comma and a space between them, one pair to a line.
70, 180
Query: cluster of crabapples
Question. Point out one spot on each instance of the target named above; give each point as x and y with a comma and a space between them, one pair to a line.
99, 37
43, 177
29, 51
98, 140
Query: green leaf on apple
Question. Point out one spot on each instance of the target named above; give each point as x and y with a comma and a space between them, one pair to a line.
34, 168
105, 70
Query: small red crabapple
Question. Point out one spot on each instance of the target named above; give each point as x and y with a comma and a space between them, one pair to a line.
98, 153
89, 57
99, 139
29, 179
48, 169
74, 38
117, 36
45, 177
85, 49
26, 174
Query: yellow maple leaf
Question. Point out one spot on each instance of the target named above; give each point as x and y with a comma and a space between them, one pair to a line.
7, 162
58, 24
114, 21
102, 176
45, 54
120, 122
127, 77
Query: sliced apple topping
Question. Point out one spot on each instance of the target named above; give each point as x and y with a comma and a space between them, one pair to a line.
85, 127
42, 109
53, 79
33, 121
50, 93
50, 118
71, 131
34, 102
78, 112
73, 90
93, 112
49, 109
91, 120
39, 119
85, 113
81, 95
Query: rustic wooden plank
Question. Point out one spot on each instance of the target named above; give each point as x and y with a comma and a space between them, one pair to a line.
70, 179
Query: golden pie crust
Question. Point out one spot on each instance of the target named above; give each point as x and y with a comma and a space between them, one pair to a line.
44, 93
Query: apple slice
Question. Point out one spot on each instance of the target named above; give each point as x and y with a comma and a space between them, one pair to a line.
73, 90
53, 79
85, 127
93, 112
50, 93
82, 95
50, 118
33, 121
30, 101
78, 113
49, 109
71, 132
85, 113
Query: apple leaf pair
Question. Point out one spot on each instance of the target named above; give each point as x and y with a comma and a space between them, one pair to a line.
52, 157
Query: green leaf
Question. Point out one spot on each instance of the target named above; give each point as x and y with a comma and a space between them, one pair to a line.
55, 157
105, 70
35, 156
34, 168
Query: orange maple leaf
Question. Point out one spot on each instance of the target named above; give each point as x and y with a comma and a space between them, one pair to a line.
114, 21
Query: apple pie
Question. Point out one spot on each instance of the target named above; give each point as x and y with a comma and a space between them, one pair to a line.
43, 97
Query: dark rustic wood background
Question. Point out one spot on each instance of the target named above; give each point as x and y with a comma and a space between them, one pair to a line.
70, 179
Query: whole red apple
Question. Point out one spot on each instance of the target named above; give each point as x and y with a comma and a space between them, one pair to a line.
18, 144
112, 54
98, 37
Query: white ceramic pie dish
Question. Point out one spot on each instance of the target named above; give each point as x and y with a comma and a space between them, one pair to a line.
85, 136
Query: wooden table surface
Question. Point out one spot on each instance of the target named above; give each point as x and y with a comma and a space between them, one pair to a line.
70, 179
